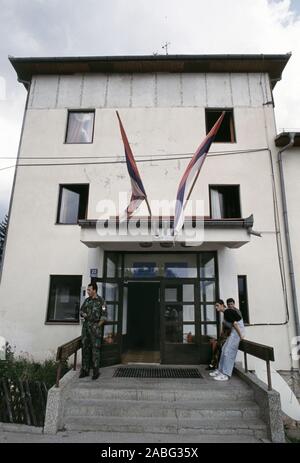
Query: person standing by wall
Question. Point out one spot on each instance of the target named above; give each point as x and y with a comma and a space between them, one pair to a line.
217, 344
94, 312
231, 305
230, 348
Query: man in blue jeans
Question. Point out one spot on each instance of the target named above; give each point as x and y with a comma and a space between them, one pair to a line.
231, 346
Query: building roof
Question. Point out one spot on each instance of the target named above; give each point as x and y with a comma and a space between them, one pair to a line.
271, 64
284, 138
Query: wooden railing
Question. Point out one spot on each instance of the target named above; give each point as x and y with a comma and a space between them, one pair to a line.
64, 352
260, 351
22, 401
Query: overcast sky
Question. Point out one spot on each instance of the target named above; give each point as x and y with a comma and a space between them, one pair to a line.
141, 27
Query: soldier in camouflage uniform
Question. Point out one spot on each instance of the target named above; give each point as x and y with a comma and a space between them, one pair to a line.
93, 310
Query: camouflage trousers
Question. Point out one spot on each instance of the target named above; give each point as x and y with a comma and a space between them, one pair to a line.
91, 347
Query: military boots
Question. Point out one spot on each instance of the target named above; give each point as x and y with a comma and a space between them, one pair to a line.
96, 373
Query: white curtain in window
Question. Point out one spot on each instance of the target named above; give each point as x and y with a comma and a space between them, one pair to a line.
80, 127
69, 206
217, 204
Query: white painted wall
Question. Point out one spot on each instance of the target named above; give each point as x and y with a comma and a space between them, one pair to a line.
149, 90
291, 169
164, 117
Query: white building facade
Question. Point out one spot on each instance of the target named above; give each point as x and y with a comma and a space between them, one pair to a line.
160, 293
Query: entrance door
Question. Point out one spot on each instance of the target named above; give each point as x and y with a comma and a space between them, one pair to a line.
182, 339
111, 289
143, 318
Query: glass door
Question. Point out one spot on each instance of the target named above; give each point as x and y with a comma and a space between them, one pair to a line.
187, 321
180, 323
111, 289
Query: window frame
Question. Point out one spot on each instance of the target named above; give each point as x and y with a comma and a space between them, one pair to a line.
61, 322
85, 111
247, 298
232, 123
224, 185
60, 188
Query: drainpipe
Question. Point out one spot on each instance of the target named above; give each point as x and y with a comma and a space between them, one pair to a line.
287, 235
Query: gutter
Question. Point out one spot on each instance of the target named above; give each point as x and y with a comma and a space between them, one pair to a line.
287, 236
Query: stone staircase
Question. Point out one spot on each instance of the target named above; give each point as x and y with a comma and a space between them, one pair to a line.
186, 407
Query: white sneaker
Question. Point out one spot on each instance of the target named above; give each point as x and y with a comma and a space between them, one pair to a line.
221, 377
214, 373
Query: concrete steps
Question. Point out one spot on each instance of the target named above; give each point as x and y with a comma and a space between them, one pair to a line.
158, 394
254, 428
151, 409
182, 407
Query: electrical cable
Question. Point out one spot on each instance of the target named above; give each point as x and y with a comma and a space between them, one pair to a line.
123, 161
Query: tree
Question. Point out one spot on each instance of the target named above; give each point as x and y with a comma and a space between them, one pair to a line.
3, 230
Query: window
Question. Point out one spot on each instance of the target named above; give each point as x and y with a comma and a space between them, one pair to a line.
226, 132
113, 264
243, 297
160, 265
80, 127
72, 205
179, 313
64, 298
208, 294
225, 201
111, 295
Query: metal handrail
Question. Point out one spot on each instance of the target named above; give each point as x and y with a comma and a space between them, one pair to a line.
64, 352
259, 351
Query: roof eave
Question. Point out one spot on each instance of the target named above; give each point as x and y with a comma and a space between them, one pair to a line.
284, 138
26, 67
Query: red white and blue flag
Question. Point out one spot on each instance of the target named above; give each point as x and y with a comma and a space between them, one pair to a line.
191, 173
138, 193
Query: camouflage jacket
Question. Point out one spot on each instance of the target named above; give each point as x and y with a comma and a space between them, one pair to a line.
94, 310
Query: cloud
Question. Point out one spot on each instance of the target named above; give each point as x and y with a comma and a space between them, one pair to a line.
122, 27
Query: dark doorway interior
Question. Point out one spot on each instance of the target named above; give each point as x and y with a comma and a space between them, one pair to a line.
143, 316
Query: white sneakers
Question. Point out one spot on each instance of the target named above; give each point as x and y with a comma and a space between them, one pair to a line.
221, 377
218, 376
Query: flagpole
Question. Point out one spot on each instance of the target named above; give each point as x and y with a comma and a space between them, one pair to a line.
138, 191
148, 206
191, 190
192, 187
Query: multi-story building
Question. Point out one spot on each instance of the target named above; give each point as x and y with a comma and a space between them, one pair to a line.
160, 292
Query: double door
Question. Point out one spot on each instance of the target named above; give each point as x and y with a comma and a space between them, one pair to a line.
185, 320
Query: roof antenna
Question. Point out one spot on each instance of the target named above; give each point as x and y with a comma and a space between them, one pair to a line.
166, 46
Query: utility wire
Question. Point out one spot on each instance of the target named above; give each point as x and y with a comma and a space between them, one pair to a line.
212, 153
9, 167
123, 161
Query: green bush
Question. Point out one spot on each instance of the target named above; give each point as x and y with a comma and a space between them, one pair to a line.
23, 369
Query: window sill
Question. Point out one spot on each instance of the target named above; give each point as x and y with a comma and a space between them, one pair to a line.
227, 141
58, 223
78, 143
63, 323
